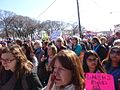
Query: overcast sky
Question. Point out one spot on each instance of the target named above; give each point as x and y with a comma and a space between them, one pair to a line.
94, 14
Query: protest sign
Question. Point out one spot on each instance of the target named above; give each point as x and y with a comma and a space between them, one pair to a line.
99, 81
55, 34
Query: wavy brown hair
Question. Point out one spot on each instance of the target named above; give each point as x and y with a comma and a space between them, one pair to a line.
23, 65
70, 61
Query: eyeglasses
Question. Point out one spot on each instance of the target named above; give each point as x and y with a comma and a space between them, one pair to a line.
6, 60
115, 52
92, 60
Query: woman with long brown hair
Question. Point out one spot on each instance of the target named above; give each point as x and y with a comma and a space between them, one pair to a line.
67, 72
112, 65
17, 71
92, 62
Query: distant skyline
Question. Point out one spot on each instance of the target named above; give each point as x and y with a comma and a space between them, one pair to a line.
94, 14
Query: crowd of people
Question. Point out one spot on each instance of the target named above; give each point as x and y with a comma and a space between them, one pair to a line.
57, 65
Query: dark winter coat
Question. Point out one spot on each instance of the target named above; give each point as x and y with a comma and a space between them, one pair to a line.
9, 81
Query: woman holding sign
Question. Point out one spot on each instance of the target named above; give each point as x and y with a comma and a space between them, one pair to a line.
112, 65
67, 72
92, 63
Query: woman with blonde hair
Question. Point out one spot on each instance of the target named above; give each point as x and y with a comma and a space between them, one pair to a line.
46, 69
17, 71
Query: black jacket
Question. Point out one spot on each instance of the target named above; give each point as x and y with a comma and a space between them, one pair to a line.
101, 51
29, 81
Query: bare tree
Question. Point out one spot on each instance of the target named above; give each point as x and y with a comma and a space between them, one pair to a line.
75, 28
6, 17
23, 26
51, 26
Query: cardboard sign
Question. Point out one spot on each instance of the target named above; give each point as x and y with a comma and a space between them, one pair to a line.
99, 81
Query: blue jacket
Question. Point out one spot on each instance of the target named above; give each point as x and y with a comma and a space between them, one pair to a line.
77, 49
115, 72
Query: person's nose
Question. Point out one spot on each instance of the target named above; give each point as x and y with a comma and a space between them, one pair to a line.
56, 71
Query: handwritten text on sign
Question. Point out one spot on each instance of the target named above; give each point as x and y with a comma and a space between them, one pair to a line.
99, 81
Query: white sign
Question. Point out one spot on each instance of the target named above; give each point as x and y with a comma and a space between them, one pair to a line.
55, 35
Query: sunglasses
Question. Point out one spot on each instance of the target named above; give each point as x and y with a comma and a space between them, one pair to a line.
115, 52
93, 60
6, 60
